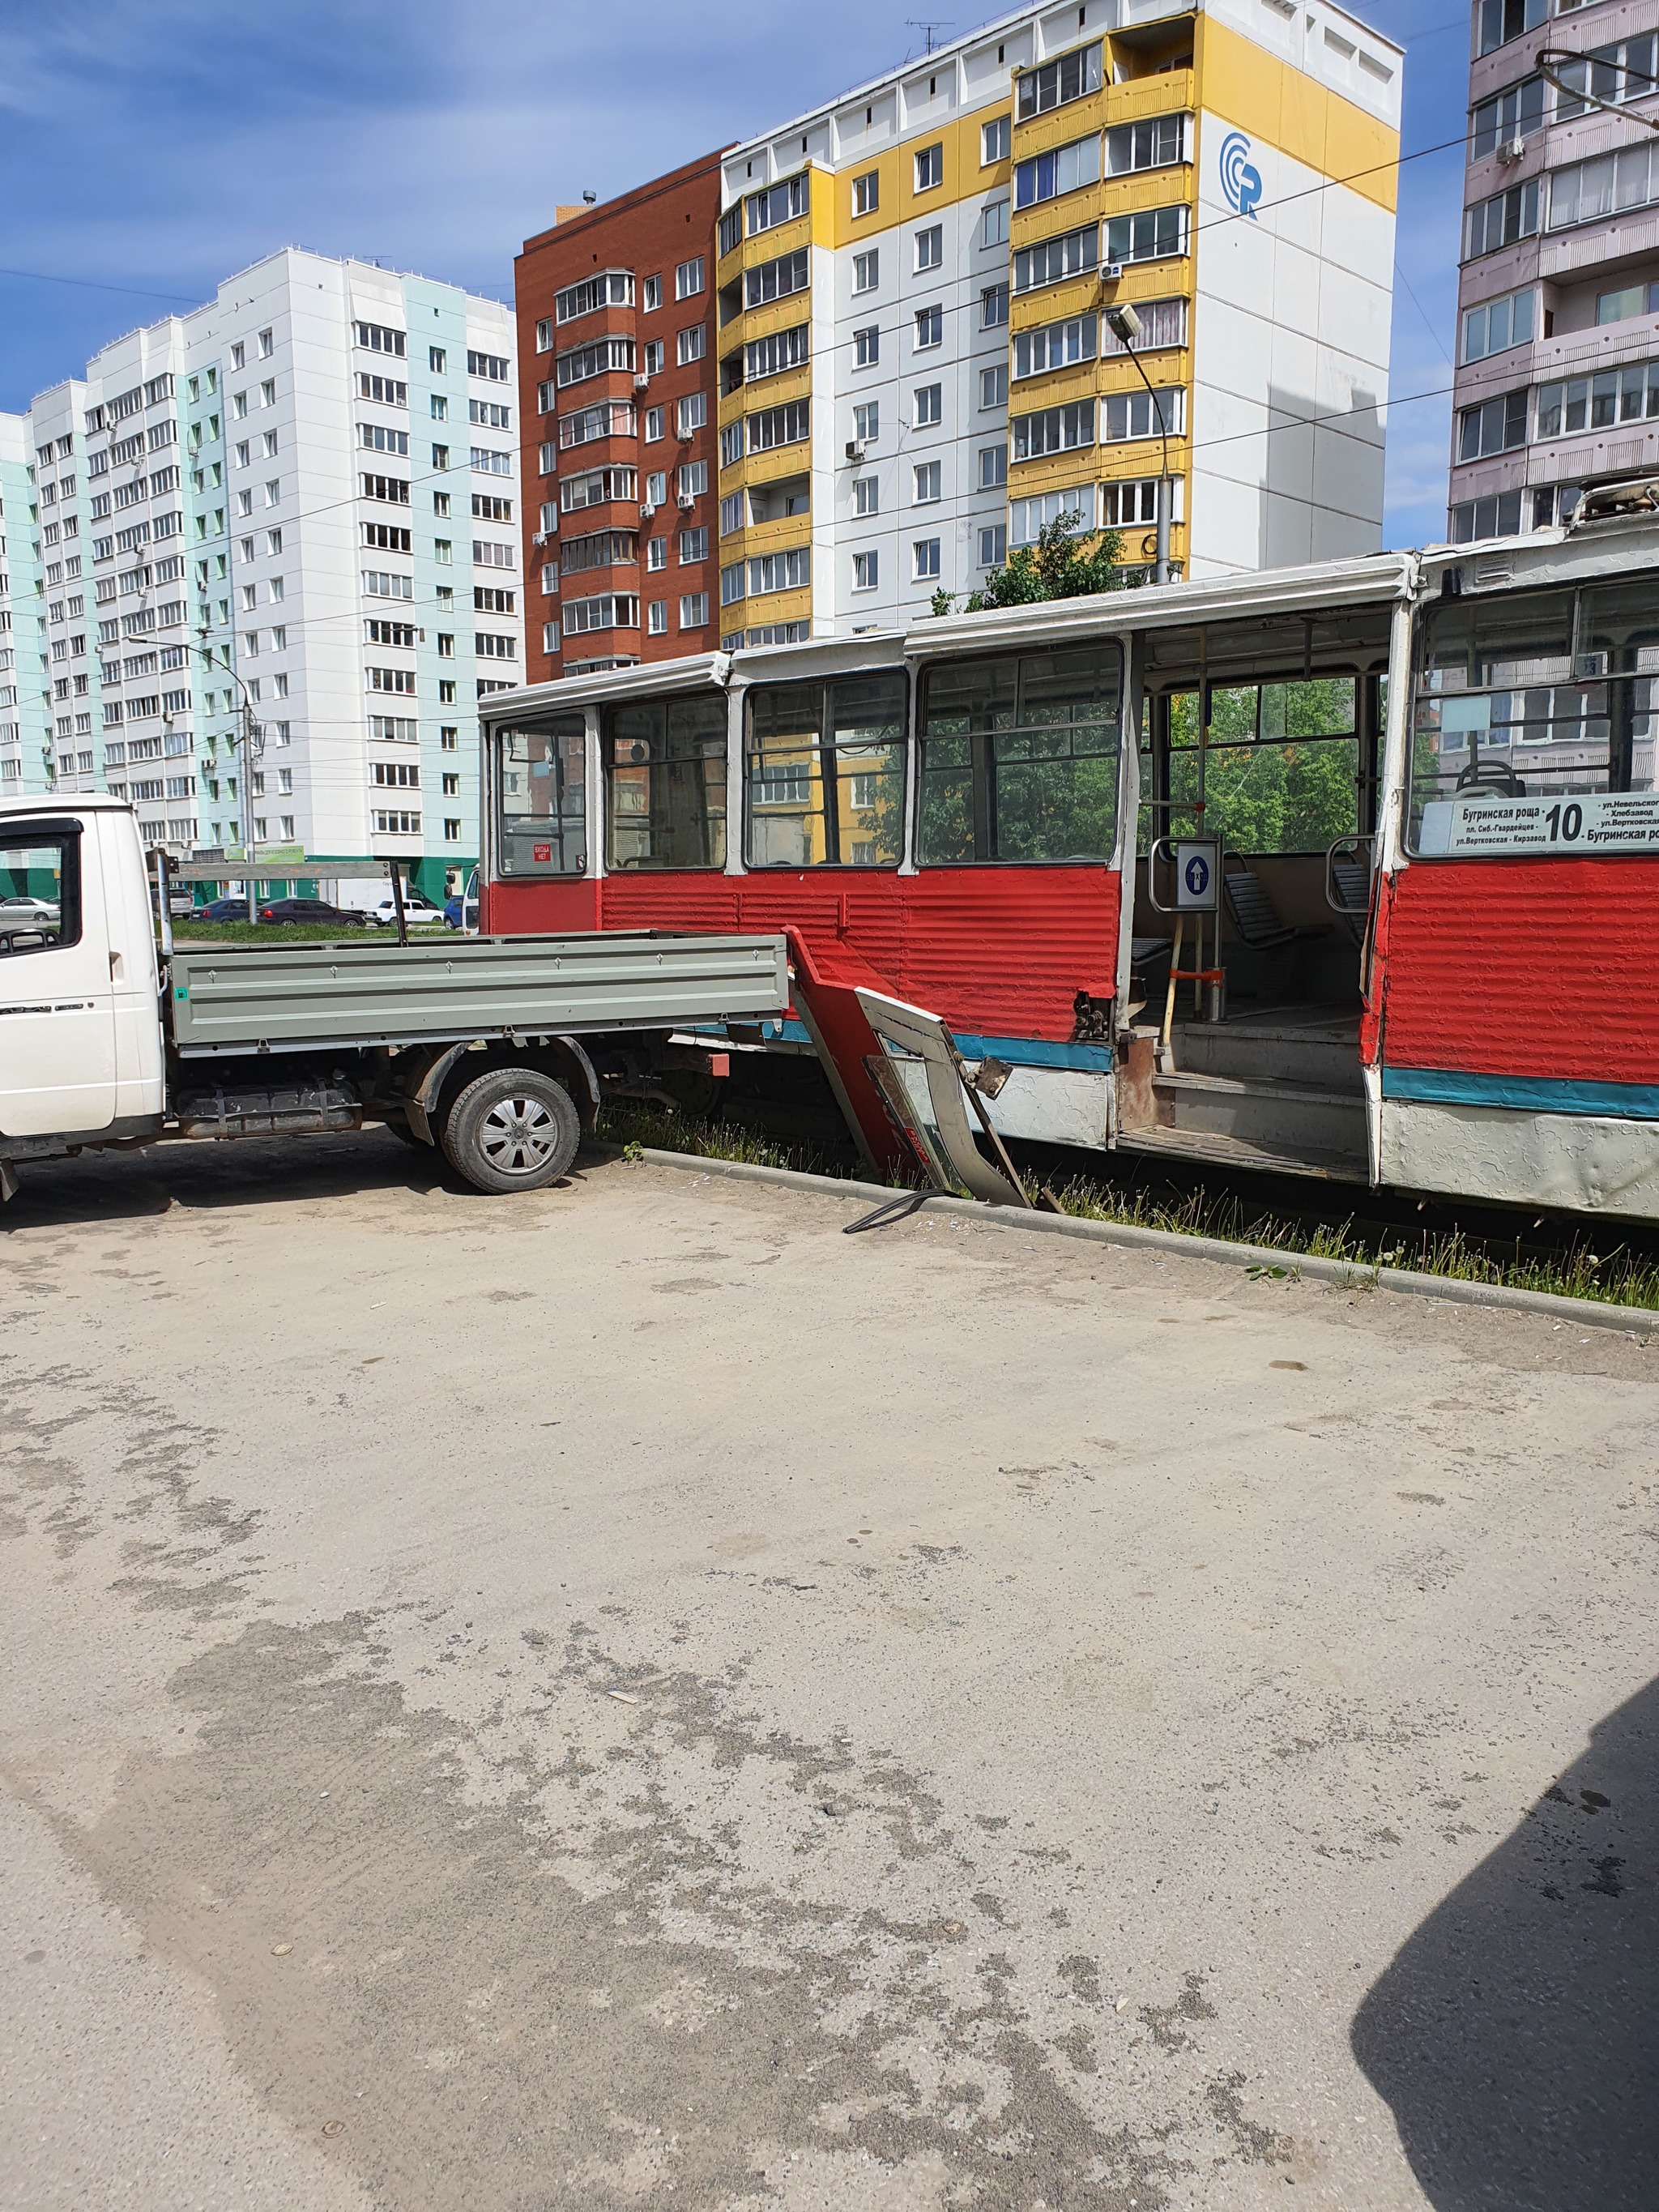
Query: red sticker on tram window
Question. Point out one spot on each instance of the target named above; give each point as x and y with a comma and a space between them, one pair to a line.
541, 852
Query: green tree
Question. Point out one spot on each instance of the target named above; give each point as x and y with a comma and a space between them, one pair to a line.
1063, 564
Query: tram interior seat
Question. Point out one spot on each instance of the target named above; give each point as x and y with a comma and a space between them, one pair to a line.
1255, 916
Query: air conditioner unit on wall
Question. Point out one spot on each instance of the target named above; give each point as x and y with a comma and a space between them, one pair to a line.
855, 452
1511, 150
640, 382
687, 501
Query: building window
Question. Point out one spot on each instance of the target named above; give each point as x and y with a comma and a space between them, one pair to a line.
1070, 254
1128, 415
694, 610
867, 193
1071, 76
1495, 426
993, 306
544, 335
1510, 117
930, 247
690, 413
993, 385
780, 202
693, 479
1593, 403
776, 280
927, 484
651, 297
665, 781
924, 560
1154, 234
1507, 217
866, 422
656, 617
694, 546
1157, 144
866, 495
1587, 191
781, 572
654, 424
773, 354
1497, 325
867, 270
930, 328
1054, 430
1500, 21
653, 356
689, 345
1063, 169
993, 140
929, 407
656, 553
930, 167
689, 279
993, 545
866, 346
993, 467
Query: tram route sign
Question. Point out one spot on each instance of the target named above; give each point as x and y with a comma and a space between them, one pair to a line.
1596, 821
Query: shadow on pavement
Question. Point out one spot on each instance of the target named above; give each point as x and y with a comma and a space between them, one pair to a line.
116, 1186
1517, 2033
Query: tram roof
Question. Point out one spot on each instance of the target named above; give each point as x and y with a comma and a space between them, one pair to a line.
1542, 556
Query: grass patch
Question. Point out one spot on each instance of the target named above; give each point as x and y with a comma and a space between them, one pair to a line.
1576, 1270
633, 1123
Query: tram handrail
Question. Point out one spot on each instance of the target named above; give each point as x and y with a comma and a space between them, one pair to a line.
1365, 851
1153, 898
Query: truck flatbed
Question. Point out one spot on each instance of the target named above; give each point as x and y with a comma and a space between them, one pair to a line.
240, 999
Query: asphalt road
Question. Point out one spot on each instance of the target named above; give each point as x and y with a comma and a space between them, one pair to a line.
630, 1697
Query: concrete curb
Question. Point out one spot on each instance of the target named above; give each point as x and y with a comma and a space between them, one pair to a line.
1545, 1305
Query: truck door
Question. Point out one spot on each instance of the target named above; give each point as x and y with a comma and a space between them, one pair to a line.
57, 1002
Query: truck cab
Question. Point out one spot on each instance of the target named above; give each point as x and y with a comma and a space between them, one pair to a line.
81, 1045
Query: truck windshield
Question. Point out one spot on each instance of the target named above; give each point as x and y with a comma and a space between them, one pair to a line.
541, 787
39, 889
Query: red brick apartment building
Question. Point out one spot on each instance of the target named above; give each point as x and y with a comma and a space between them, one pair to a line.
616, 310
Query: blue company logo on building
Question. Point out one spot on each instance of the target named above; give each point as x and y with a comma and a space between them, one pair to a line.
1240, 180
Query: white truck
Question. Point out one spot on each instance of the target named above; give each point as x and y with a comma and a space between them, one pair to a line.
498, 1050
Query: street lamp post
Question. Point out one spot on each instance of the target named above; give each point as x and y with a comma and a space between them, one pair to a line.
1124, 325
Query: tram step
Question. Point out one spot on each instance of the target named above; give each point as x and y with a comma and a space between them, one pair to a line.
1235, 1152
1329, 1061
1266, 1111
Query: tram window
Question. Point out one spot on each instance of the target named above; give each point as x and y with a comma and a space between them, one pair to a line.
1281, 766
1535, 722
541, 797
826, 773
665, 782
1019, 758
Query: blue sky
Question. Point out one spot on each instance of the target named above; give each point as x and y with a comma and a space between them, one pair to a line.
149, 148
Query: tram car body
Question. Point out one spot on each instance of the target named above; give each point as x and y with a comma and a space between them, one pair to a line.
1419, 789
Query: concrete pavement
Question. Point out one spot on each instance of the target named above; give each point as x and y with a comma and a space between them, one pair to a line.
629, 1696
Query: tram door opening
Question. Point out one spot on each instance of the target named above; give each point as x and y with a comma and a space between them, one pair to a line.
1260, 744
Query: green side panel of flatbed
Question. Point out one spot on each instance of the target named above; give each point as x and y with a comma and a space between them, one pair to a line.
240, 997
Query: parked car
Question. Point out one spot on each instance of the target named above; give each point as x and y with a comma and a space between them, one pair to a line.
222, 910
461, 911
417, 911
311, 910
21, 910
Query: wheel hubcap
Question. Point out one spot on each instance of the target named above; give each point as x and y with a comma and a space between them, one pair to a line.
518, 1136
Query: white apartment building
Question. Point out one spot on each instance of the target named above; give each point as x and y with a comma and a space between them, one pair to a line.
303, 497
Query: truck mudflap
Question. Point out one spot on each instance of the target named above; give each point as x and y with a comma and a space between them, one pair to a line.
302, 1108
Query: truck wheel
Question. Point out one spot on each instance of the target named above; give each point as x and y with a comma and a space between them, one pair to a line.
512, 1129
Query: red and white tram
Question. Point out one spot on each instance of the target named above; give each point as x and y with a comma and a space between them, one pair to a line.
1350, 870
